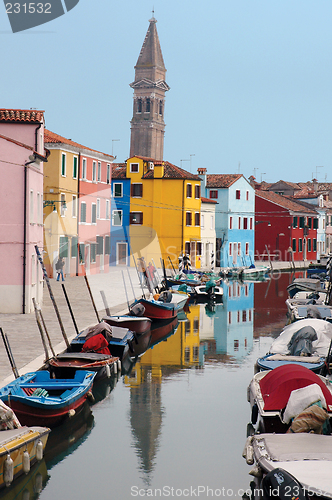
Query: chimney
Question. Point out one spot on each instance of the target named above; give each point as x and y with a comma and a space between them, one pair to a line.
202, 174
201, 171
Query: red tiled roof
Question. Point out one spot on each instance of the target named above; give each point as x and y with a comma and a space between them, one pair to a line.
52, 138
21, 115
285, 202
208, 200
221, 180
172, 172
119, 171
293, 185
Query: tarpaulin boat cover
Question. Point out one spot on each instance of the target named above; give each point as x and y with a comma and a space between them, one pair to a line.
277, 385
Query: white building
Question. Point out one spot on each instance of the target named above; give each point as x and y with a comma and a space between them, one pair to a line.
208, 233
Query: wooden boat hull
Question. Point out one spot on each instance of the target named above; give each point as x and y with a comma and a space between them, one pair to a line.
138, 325
122, 339
65, 365
16, 442
63, 397
158, 310
271, 361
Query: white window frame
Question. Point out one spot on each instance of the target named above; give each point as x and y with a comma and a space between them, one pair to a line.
32, 211
63, 155
202, 221
107, 210
212, 222
75, 157
108, 174
98, 208
93, 205
84, 221
99, 172
62, 207
121, 218
94, 171
134, 171
84, 163
117, 184
74, 207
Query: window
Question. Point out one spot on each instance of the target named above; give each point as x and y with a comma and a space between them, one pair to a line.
314, 244
236, 343
315, 223
202, 221
229, 317
63, 246
238, 194
84, 168
32, 214
213, 193
107, 214
189, 191
244, 316
134, 167
117, 218
231, 223
74, 241
63, 164
99, 172
82, 253
38, 208
93, 213
117, 190
188, 218
230, 249
63, 205
309, 222
239, 222
160, 107
75, 163
83, 211
301, 224
136, 190
136, 218
197, 219
74, 206
94, 171
100, 245
187, 248
245, 223
98, 208
108, 175
247, 195
148, 105
294, 244
247, 248
239, 249
187, 328
197, 191
199, 248
211, 222
309, 244
294, 221
139, 105
107, 245
300, 245
93, 248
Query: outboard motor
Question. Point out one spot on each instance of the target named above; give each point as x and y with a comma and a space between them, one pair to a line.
281, 485
165, 297
137, 310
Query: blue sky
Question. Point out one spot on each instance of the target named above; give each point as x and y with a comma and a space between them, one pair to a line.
250, 81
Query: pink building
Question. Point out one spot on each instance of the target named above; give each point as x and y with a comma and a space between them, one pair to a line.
21, 208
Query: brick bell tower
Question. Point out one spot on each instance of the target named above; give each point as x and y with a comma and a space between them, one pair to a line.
147, 124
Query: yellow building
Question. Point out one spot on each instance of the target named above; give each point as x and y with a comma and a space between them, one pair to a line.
165, 206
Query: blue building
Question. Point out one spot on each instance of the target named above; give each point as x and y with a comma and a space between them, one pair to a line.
120, 209
235, 217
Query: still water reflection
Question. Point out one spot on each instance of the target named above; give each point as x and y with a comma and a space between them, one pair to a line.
177, 418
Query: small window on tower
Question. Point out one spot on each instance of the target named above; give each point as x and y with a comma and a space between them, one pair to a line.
139, 105
160, 107
148, 105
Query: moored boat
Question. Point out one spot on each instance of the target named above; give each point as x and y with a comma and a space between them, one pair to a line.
137, 324
64, 365
157, 310
119, 341
38, 399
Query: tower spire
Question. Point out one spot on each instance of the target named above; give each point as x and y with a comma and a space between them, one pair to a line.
147, 124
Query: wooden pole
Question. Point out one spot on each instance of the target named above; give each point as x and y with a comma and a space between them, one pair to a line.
47, 281
124, 284
47, 357
103, 296
46, 331
91, 297
70, 309
9, 353
131, 283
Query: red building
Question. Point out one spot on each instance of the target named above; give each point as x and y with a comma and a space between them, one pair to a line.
284, 227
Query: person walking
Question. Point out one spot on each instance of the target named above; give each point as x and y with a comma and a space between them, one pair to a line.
59, 268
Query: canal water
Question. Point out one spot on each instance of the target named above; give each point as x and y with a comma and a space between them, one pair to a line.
175, 423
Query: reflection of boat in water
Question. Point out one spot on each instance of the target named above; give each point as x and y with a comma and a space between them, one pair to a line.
28, 485
162, 330
65, 439
103, 388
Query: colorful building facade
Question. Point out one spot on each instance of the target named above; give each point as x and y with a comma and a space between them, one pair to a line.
120, 213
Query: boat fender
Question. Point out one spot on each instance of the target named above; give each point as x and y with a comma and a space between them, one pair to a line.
26, 462
39, 450
279, 485
248, 451
38, 483
90, 397
254, 414
8, 471
71, 413
119, 365
115, 368
108, 371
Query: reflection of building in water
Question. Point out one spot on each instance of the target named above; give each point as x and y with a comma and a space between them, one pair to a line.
233, 324
178, 351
